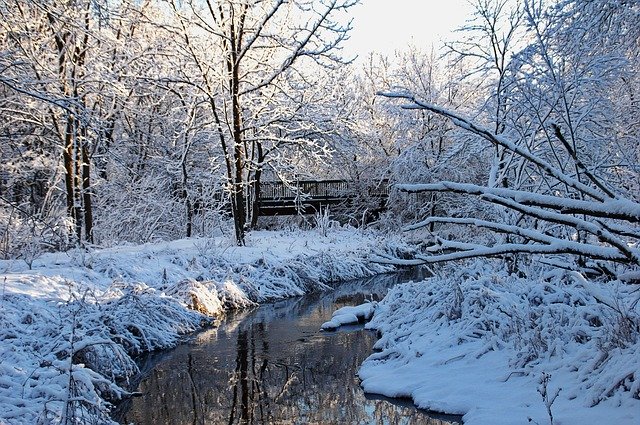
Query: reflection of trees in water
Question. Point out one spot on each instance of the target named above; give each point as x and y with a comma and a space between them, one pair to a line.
307, 385
276, 370
306, 390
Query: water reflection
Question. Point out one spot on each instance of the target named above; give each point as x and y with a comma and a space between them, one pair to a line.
273, 366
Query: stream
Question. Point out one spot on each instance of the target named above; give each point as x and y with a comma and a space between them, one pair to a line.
273, 365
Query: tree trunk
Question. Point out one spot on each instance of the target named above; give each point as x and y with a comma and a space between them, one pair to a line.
237, 194
185, 195
67, 157
77, 185
86, 194
255, 210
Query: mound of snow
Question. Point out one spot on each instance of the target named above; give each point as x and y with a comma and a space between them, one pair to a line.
350, 315
499, 348
198, 296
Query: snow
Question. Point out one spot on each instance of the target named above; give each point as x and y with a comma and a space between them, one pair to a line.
350, 315
70, 326
487, 345
470, 340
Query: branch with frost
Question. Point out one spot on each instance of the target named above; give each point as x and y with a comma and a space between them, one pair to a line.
317, 29
502, 141
624, 253
388, 259
562, 247
583, 169
531, 204
572, 221
542, 242
67, 104
593, 213
527, 234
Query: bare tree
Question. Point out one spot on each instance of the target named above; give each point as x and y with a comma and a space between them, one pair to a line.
489, 40
52, 43
250, 50
565, 143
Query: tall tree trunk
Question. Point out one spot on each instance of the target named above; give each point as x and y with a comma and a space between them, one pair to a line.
86, 193
77, 184
71, 61
67, 157
237, 194
185, 195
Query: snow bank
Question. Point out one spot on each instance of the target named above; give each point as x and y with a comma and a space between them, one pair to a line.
350, 315
498, 348
70, 327
63, 358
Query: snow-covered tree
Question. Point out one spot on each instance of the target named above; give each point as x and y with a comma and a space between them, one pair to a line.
252, 62
376, 142
565, 141
50, 51
93, 129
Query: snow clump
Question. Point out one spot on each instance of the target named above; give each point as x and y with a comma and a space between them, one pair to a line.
350, 315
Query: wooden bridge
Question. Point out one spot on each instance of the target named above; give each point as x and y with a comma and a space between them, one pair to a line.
312, 196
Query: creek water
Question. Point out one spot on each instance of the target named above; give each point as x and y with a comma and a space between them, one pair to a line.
273, 365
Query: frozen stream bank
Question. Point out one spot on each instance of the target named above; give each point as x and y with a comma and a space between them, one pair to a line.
273, 365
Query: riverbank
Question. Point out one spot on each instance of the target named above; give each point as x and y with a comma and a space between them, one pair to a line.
70, 326
552, 348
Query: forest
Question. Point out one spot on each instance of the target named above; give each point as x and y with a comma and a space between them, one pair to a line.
512, 156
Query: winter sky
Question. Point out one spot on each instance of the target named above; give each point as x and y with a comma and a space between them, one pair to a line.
385, 26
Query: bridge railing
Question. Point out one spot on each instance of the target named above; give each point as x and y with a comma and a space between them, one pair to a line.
318, 189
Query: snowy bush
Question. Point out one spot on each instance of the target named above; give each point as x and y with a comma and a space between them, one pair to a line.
44, 359
141, 319
323, 222
27, 237
71, 357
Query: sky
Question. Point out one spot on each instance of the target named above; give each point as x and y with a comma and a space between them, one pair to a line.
385, 26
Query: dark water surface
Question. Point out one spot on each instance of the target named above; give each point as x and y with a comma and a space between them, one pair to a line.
273, 365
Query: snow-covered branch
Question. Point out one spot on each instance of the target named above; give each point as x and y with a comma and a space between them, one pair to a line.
502, 141
619, 209
591, 210
562, 247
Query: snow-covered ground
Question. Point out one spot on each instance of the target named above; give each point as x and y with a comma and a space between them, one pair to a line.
506, 350
70, 326
472, 341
